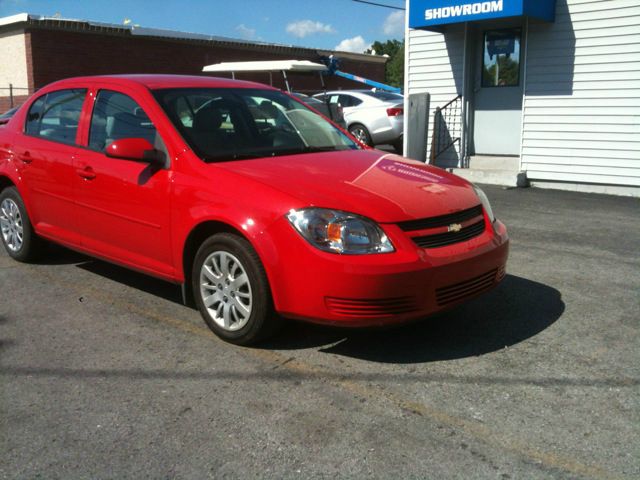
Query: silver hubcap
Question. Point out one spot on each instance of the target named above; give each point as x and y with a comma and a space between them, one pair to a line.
11, 225
226, 291
360, 134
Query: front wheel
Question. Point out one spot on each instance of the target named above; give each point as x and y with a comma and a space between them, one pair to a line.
18, 237
231, 290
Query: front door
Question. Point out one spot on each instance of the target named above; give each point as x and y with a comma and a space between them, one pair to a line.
124, 205
497, 120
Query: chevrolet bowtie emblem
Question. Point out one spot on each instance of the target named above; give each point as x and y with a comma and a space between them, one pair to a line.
454, 227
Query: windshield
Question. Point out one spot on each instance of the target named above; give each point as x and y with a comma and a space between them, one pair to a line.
222, 124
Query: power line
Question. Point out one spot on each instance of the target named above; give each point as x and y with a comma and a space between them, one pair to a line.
379, 4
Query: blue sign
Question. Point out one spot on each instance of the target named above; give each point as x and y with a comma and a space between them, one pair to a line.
429, 13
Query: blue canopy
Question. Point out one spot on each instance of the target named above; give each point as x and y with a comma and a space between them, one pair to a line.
429, 13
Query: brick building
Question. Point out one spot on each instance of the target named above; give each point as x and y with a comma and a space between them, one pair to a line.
37, 50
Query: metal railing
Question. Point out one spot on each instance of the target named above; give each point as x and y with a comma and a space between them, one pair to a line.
447, 128
10, 92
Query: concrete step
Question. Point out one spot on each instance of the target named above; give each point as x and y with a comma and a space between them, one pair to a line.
505, 178
489, 162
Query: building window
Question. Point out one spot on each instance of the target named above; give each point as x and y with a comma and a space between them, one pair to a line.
501, 59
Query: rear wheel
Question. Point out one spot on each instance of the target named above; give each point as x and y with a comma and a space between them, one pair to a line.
361, 133
18, 237
231, 290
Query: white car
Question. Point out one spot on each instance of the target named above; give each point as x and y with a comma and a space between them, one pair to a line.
374, 117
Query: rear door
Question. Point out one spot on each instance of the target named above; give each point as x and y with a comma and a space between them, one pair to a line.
124, 205
45, 153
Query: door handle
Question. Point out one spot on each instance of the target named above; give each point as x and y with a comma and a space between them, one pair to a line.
87, 173
25, 158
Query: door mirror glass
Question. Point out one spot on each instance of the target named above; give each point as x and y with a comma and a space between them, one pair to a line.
501, 58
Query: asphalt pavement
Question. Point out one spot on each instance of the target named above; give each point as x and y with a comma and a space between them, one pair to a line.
104, 374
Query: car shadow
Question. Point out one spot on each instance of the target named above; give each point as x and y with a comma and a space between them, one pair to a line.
516, 310
59, 255
140, 281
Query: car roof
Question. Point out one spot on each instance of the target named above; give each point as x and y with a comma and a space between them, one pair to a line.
361, 91
162, 81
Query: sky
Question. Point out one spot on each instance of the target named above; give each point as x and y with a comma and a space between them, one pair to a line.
343, 25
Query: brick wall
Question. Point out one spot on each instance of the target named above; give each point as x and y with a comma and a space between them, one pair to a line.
57, 54
5, 102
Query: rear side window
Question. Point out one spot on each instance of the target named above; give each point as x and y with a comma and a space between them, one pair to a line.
385, 96
115, 116
55, 116
349, 101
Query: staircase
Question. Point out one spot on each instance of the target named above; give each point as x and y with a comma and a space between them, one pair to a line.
493, 170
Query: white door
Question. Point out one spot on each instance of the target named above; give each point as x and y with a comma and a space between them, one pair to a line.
498, 92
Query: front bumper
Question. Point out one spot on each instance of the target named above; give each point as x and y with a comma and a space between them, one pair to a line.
371, 290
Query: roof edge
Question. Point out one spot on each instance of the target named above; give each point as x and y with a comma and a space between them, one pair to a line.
139, 31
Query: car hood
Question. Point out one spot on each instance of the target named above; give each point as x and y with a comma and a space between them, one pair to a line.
385, 187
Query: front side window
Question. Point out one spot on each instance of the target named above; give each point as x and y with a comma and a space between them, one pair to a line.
115, 116
501, 58
229, 124
55, 116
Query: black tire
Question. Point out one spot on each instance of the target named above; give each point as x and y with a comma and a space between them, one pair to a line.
226, 300
397, 146
30, 246
361, 133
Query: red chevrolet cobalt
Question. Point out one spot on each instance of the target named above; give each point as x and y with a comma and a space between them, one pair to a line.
258, 206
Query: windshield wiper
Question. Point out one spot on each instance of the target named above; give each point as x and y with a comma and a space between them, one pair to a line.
230, 157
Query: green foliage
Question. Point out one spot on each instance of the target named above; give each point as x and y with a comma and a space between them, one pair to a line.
394, 69
508, 72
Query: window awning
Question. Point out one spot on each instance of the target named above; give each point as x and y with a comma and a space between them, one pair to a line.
431, 13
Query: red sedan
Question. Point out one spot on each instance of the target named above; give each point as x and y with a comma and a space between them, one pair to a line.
258, 206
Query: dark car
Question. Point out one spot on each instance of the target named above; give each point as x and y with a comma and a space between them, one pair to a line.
4, 118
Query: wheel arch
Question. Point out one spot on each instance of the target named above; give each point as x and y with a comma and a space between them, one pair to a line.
6, 182
203, 230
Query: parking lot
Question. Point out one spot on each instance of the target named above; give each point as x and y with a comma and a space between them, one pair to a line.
104, 374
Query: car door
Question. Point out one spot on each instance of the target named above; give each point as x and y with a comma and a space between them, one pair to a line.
124, 205
45, 152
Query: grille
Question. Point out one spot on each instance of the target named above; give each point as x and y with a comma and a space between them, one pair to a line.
468, 288
442, 220
448, 238
365, 308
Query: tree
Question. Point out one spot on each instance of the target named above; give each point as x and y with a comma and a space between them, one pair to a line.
394, 69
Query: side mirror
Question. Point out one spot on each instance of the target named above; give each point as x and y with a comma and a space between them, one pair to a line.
137, 149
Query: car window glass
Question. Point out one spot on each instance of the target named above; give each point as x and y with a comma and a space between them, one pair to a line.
56, 115
34, 116
385, 96
230, 124
115, 116
349, 101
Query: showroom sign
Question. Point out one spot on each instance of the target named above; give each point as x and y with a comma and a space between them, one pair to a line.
428, 13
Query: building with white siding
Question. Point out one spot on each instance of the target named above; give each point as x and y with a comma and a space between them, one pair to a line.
549, 89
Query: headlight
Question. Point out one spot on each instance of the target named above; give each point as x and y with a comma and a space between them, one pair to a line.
485, 203
339, 232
